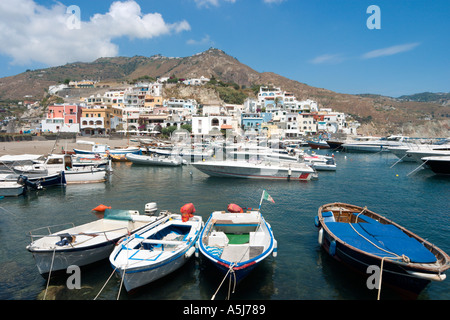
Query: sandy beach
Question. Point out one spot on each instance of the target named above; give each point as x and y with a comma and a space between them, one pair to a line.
42, 147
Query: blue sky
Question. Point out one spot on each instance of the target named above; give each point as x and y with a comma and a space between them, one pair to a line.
323, 43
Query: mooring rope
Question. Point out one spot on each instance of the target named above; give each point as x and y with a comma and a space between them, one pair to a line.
403, 257
49, 273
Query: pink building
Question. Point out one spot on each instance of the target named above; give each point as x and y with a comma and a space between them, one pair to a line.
62, 117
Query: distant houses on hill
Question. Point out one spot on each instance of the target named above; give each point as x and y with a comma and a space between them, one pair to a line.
140, 108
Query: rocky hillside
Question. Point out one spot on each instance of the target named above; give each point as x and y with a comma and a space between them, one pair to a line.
378, 114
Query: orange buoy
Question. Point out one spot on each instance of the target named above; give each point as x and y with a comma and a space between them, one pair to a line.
101, 208
234, 208
187, 211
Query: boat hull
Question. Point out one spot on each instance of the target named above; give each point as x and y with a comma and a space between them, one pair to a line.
136, 150
262, 246
138, 277
11, 189
255, 172
57, 261
398, 271
153, 253
85, 176
439, 165
154, 161
318, 145
363, 148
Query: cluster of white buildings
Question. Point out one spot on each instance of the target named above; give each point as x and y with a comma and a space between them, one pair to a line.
142, 109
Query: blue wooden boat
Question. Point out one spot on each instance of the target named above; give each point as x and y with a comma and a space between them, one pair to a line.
361, 238
40, 182
236, 242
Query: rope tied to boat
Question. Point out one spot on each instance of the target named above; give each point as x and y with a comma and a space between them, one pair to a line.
402, 257
233, 275
49, 273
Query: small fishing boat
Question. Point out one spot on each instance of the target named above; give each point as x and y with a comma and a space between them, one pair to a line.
74, 173
11, 189
103, 149
84, 244
361, 238
157, 250
237, 241
41, 182
155, 160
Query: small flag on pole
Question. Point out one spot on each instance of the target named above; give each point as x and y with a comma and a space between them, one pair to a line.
268, 197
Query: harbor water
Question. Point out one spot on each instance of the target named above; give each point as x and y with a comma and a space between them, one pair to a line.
301, 270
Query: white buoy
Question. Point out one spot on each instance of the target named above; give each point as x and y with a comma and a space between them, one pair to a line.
320, 236
189, 253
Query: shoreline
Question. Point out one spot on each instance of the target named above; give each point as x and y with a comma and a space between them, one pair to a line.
43, 147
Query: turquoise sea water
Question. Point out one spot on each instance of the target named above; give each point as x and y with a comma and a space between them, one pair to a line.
301, 271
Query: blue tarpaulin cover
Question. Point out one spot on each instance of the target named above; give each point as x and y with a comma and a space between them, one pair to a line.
385, 236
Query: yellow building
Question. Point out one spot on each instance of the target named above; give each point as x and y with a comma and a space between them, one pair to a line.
99, 119
151, 101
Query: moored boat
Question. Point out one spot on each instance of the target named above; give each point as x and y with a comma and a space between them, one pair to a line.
318, 144
156, 250
257, 169
103, 149
438, 164
155, 160
55, 163
236, 241
84, 244
11, 189
361, 238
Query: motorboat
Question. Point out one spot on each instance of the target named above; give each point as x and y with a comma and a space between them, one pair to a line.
156, 160
257, 169
188, 153
55, 163
360, 238
373, 144
418, 155
438, 164
84, 244
418, 150
320, 162
318, 144
156, 250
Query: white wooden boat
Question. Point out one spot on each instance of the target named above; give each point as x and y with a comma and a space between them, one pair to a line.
103, 149
84, 244
56, 163
11, 188
156, 250
272, 170
236, 242
155, 160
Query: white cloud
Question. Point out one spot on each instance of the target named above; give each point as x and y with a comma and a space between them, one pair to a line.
327, 58
390, 50
273, 1
207, 3
205, 40
31, 32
